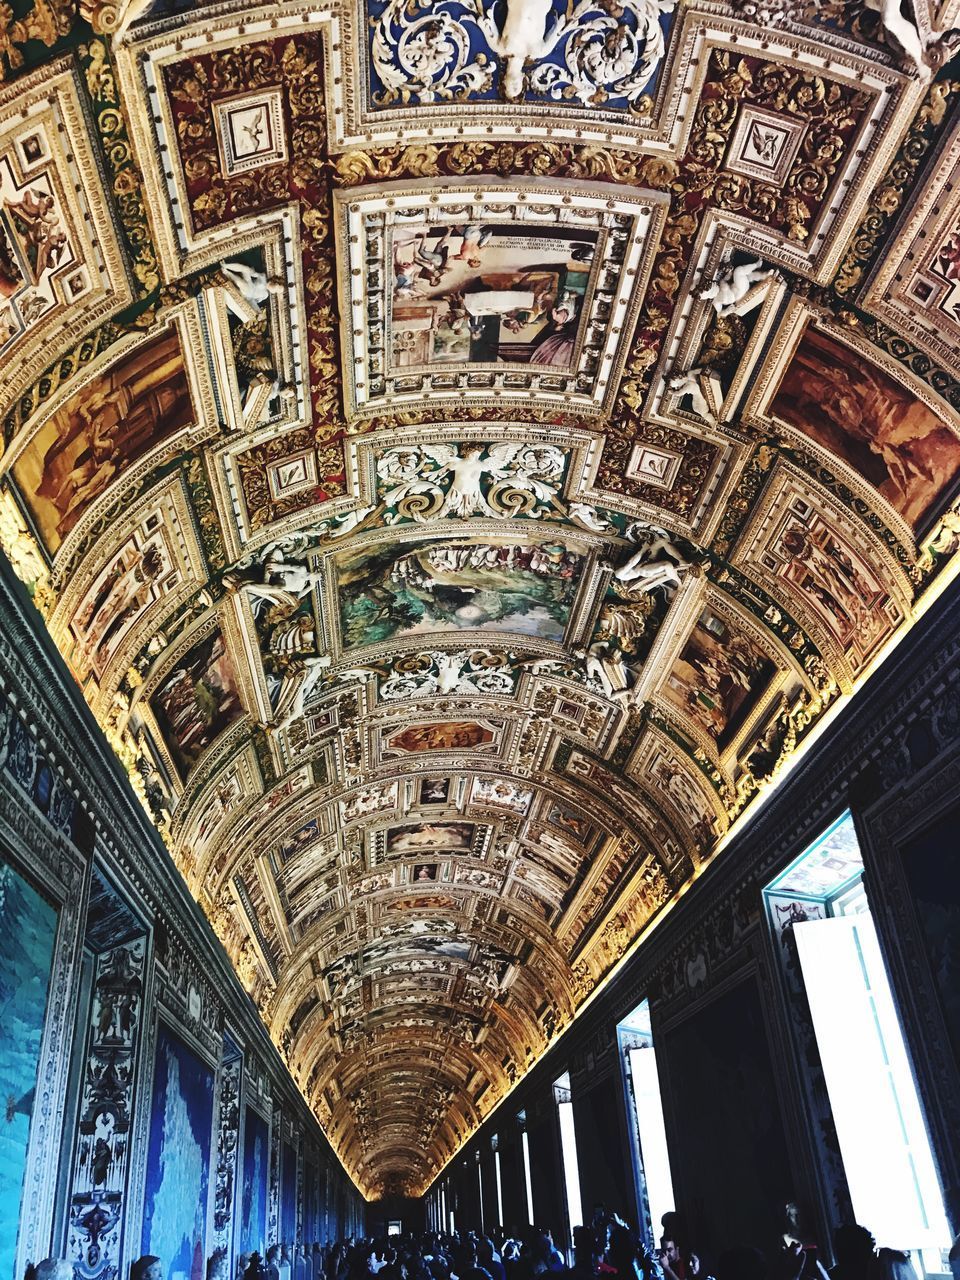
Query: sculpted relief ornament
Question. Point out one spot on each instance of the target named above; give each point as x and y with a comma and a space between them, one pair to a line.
594, 52
434, 480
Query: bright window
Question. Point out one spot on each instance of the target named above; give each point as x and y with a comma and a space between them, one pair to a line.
645, 1107
873, 1096
568, 1151
527, 1180
496, 1169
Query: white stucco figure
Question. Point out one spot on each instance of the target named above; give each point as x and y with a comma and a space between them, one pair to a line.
733, 285
902, 29
296, 687
588, 517
525, 38
127, 15
642, 574
255, 287
688, 384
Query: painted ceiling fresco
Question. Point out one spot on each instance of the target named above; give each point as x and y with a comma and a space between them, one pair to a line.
462, 448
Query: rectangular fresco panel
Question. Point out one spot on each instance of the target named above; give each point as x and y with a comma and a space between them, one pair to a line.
197, 701
573, 823
178, 1159
100, 432
423, 587
501, 793
252, 1227
488, 294
718, 678
447, 735
847, 404
28, 926
451, 837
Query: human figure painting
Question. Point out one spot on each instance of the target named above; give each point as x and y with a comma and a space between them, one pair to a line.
718, 678
178, 1159
847, 404
101, 431
197, 701
488, 294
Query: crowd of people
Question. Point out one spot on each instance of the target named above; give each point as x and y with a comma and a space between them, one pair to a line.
606, 1247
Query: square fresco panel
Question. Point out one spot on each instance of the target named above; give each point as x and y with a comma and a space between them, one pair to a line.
848, 405
434, 790
560, 816
450, 837
252, 1225
425, 587
510, 287
718, 678
100, 432
197, 701
488, 294
178, 1159
28, 927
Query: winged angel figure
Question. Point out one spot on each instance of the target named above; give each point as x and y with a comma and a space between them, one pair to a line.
430, 481
601, 52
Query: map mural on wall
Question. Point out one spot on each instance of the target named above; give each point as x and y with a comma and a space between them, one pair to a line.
470, 584
875, 424
28, 926
931, 866
178, 1159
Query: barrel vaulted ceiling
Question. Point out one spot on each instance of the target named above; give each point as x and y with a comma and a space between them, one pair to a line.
462, 449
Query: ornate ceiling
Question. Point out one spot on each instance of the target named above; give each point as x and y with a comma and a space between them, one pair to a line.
462, 449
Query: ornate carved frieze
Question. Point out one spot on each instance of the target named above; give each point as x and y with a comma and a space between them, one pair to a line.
99, 1196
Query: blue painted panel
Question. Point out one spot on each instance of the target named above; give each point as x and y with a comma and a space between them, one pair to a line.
28, 926
178, 1160
253, 1191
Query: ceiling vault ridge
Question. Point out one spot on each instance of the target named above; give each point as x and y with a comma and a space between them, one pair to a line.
465, 453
